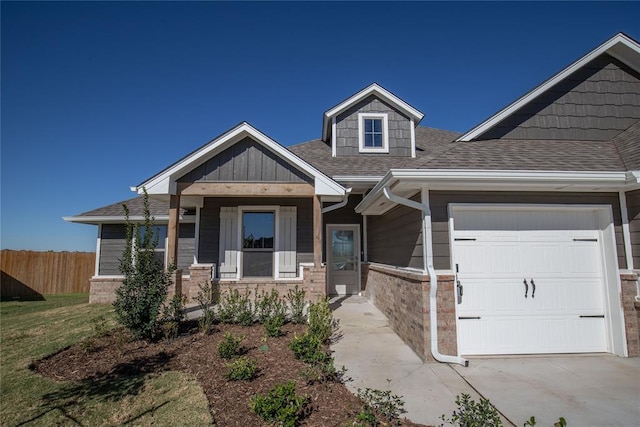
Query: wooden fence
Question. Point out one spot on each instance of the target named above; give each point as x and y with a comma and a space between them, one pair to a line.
30, 273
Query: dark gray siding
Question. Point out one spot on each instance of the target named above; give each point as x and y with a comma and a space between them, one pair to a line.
210, 224
345, 215
440, 200
112, 241
595, 103
186, 246
347, 129
633, 210
395, 238
246, 161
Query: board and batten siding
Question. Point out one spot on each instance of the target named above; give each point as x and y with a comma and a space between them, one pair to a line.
595, 103
246, 161
395, 238
633, 212
112, 242
440, 200
347, 129
210, 224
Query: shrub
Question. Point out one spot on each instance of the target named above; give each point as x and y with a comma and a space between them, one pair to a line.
170, 330
273, 325
242, 369
236, 308
380, 403
308, 348
206, 299
296, 297
144, 287
531, 422
322, 325
471, 414
281, 405
174, 310
230, 346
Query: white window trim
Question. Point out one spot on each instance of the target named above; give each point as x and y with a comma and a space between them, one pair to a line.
385, 132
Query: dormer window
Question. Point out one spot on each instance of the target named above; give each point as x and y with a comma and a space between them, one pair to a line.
373, 132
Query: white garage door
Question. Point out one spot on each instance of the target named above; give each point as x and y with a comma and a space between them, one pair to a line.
531, 280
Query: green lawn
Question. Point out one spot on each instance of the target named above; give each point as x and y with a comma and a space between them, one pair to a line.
33, 329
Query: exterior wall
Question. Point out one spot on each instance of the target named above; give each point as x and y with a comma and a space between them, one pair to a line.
112, 241
395, 238
347, 129
595, 103
439, 201
246, 161
210, 224
344, 215
633, 212
404, 298
631, 313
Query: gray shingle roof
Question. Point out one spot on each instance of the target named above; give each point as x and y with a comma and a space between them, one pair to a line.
136, 208
429, 144
628, 145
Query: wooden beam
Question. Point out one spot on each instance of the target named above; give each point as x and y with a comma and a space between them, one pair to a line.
173, 228
245, 189
317, 232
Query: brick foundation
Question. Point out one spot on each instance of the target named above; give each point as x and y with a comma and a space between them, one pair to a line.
403, 296
313, 282
631, 309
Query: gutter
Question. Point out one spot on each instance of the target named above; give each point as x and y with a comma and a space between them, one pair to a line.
338, 205
427, 258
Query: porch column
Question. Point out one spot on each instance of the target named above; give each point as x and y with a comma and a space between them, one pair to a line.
317, 232
172, 237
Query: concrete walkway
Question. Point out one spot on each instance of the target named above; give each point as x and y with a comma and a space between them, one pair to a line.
586, 390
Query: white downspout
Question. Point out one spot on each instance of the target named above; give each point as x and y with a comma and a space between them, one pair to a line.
338, 205
427, 258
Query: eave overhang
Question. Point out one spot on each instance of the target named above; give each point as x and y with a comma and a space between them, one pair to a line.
373, 89
620, 46
164, 182
407, 182
120, 219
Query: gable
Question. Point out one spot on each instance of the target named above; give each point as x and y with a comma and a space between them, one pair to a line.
246, 161
595, 103
347, 128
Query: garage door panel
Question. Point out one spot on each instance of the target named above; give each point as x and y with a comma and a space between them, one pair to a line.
558, 252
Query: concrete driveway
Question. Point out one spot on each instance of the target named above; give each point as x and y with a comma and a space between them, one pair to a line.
599, 390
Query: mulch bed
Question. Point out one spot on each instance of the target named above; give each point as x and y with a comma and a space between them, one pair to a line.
116, 355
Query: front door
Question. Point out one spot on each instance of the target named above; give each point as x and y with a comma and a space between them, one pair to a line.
343, 259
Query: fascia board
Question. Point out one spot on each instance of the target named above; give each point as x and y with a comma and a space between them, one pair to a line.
374, 89
158, 219
529, 180
162, 183
620, 46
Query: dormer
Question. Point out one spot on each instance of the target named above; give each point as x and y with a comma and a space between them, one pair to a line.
373, 122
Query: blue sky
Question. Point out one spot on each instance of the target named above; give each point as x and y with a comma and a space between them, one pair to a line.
97, 97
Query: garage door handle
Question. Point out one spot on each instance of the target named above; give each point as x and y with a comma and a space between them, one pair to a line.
533, 289
526, 288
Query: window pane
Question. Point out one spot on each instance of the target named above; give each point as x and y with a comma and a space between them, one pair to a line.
377, 140
377, 125
159, 232
258, 230
368, 125
368, 140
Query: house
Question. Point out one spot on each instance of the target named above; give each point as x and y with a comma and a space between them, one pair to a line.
521, 236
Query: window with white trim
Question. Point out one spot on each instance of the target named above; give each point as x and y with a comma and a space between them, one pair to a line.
373, 132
